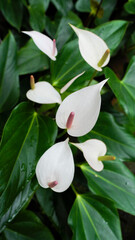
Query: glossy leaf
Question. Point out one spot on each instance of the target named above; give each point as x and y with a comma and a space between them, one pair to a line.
37, 14
46, 199
21, 146
124, 90
27, 226
112, 33
107, 7
20, 201
130, 6
83, 5
31, 59
9, 85
63, 6
12, 11
93, 217
64, 31
119, 142
115, 182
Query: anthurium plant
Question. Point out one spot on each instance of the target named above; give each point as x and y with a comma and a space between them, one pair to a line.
67, 119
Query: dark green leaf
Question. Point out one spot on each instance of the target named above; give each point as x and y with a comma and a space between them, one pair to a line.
118, 141
83, 5
124, 90
9, 85
46, 200
63, 6
12, 11
20, 201
64, 31
37, 14
27, 226
112, 32
95, 218
130, 6
107, 8
25, 137
115, 182
31, 59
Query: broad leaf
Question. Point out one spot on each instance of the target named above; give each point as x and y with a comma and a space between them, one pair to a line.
20, 201
9, 85
63, 6
119, 142
37, 14
115, 182
64, 31
95, 218
31, 59
83, 5
12, 11
130, 6
124, 90
27, 226
46, 199
25, 137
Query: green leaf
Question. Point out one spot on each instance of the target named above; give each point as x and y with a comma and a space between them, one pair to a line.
9, 85
64, 31
130, 6
115, 182
119, 142
27, 226
46, 199
93, 217
107, 7
12, 11
20, 201
31, 59
83, 5
63, 6
124, 90
37, 14
112, 32
25, 137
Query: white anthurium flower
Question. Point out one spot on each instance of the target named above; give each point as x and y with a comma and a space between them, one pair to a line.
43, 93
92, 150
44, 43
55, 169
79, 111
92, 48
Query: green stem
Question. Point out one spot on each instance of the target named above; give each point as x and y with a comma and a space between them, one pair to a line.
62, 134
72, 186
93, 75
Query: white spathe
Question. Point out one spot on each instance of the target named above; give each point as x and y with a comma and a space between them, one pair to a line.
44, 43
92, 149
92, 47
44, 93
56, 165
85, 104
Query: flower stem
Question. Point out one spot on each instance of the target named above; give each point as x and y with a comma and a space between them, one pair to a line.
62, 134
93, 75
72, 186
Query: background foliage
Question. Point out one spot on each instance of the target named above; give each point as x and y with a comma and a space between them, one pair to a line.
102, 200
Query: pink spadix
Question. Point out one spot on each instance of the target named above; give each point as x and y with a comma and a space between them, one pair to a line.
70, 120
54, 47
52, 184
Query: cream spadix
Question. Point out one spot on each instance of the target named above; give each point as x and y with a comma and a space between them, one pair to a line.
85, 104
92, 149
43, 93
92, 48
55, 168
44, 43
